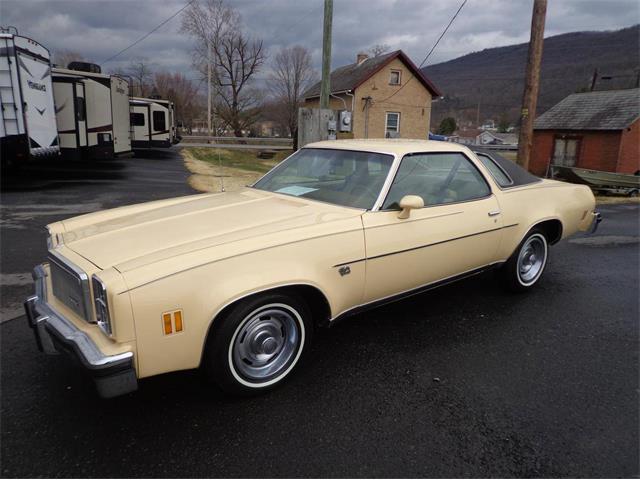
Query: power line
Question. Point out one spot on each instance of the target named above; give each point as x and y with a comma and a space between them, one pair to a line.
149, 33
430, 51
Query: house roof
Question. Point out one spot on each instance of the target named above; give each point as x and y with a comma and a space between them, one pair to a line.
352, 76
504, 137
603, 110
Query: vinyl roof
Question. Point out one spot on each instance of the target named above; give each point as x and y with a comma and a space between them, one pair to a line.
352, 76
603, 110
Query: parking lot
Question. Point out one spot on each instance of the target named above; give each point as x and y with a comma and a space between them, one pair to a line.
463, 381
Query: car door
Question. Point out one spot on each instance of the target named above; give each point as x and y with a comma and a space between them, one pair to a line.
457, 231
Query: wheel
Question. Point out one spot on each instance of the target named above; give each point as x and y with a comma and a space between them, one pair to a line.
633, 193
525, 267
257, 345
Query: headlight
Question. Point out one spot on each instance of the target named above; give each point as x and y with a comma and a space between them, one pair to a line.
101, 303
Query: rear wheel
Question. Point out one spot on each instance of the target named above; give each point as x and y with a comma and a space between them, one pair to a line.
525, 267
257, 345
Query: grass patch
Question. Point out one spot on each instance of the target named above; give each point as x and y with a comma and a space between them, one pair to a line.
238, 159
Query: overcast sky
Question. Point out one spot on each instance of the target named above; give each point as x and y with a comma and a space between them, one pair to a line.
99, 28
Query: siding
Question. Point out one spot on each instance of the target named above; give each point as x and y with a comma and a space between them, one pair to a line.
598, 150
629, 158
413, 102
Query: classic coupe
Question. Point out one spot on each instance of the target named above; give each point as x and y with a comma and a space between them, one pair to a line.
237, 282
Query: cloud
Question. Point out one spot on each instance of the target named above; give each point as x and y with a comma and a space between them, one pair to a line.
99, 28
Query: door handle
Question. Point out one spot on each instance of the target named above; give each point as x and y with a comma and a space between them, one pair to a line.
494, 213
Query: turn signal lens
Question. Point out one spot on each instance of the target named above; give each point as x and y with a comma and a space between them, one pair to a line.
172, 322
166, 319
178, 320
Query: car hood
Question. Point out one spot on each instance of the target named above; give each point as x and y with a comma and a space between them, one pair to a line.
131, 237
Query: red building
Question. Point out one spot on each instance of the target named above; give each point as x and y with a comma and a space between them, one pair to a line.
594, 130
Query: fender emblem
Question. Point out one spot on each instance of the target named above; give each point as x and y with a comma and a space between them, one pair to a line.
344, 271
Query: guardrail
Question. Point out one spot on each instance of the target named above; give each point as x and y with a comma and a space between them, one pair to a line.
238, 139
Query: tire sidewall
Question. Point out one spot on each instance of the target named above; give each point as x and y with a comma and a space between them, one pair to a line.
230, 363
219, 357
510, 271
535, 234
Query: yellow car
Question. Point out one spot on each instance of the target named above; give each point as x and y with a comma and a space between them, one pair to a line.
237, 282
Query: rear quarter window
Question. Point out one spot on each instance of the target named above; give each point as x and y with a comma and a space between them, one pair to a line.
499, 175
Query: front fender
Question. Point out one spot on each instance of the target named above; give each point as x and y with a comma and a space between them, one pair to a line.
202, 292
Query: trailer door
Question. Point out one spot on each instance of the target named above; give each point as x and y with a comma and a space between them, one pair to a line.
81, 114
120, 113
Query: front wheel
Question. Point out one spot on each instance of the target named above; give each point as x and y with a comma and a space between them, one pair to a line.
525, 267
258, 343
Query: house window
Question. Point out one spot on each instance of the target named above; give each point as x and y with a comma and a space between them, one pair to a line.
565, 151
392, 125
394, 78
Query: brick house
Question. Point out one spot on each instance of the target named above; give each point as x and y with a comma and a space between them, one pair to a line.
366, 88
595, 130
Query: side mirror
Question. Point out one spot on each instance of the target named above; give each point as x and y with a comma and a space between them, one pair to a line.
408, 203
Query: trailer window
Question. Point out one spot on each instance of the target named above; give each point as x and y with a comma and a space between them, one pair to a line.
159, 123
80, 109
137, 119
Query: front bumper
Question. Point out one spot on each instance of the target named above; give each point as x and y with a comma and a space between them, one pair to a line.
595, 221
113, 374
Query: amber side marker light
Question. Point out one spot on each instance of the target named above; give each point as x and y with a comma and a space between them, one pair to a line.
172, 322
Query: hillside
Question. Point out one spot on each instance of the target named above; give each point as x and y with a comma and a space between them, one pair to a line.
493, 78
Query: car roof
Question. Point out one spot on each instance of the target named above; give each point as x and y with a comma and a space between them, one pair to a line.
395, 146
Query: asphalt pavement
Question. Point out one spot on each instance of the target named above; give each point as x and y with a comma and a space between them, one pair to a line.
466, 380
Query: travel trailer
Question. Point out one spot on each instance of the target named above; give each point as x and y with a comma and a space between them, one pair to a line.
92, 112
152, 123
28, 127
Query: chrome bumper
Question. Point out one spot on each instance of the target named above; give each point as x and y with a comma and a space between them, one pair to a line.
113, 374
597, 218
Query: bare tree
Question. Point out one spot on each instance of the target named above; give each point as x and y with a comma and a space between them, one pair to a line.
181, 91
292, 75
141, 73
236, 58
379, 49
63, 58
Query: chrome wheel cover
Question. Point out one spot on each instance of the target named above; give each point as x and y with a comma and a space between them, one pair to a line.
532, 259
266, 344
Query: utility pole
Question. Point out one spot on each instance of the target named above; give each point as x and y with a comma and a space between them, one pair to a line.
209, 86
532, 82
325, 87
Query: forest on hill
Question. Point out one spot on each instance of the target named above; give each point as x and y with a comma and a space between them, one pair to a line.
489, 84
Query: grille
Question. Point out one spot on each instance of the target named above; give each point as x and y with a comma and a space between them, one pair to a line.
70, 285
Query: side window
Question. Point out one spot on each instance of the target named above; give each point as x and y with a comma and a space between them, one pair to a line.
438, 178
496, 172
159, 123
137, 119
80, 109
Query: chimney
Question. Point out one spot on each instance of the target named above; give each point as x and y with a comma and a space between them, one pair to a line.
361, 58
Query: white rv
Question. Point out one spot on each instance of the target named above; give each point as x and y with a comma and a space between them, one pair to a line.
92, 111
28, 127
152, 123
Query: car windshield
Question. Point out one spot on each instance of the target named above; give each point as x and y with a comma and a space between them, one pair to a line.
342, 177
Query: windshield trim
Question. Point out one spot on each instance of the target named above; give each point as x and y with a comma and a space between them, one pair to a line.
381, 194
